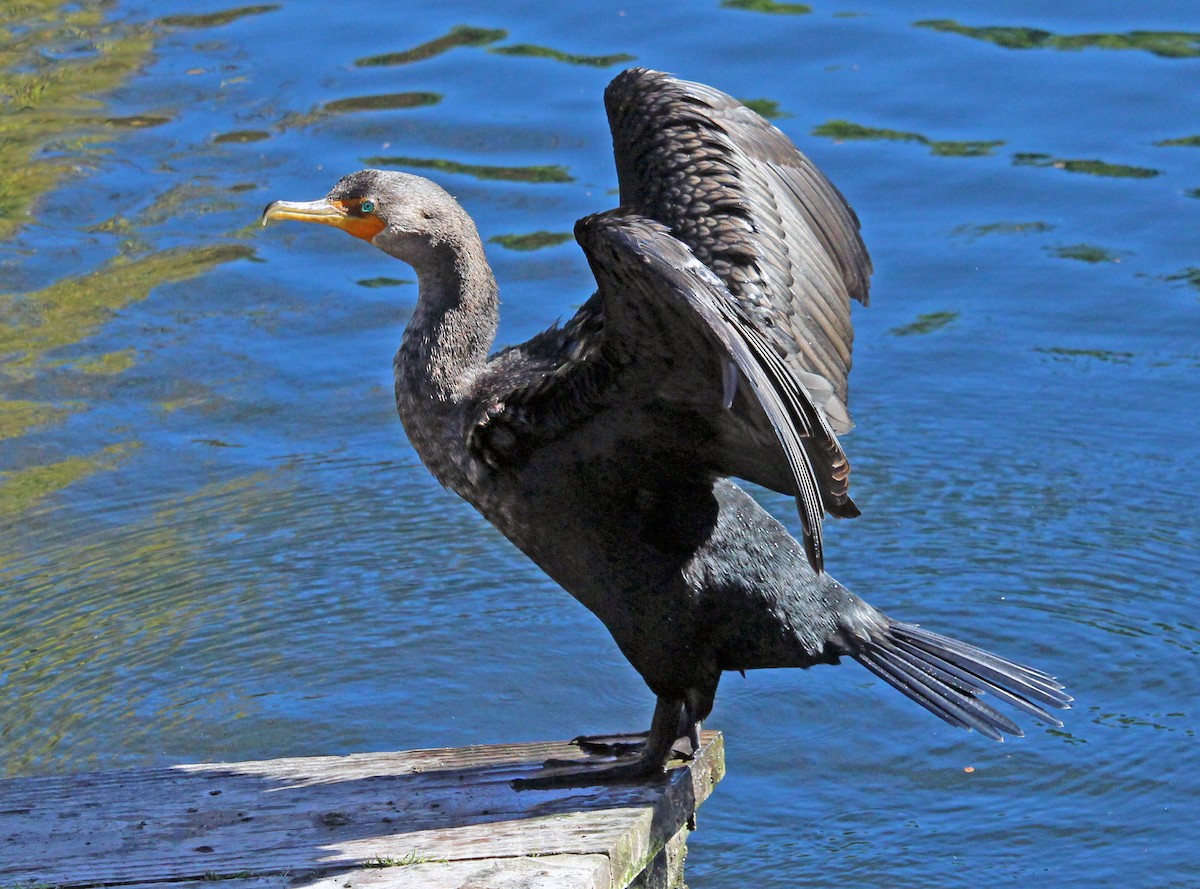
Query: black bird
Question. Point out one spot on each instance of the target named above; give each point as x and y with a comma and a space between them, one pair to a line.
717, 345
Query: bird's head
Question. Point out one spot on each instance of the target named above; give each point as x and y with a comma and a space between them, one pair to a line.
401, 214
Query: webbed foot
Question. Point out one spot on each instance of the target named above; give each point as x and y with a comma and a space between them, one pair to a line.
645, 757
587, 775
612, 745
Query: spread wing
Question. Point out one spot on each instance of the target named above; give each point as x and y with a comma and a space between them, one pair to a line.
757, 212
720, 331
656, 349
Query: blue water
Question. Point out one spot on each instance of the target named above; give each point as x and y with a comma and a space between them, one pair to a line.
215, 542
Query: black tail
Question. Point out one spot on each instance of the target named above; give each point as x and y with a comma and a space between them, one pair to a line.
947, 677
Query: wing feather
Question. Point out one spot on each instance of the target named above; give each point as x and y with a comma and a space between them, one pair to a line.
649, 283
755, 210
730, 250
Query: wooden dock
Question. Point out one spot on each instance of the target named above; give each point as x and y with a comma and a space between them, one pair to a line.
432, 819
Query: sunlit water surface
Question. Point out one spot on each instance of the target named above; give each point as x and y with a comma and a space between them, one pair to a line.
215, 542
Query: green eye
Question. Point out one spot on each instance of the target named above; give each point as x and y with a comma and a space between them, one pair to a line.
367, 206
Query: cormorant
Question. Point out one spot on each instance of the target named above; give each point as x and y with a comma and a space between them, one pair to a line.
716, 345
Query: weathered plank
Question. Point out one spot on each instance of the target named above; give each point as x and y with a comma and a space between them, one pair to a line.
420, 819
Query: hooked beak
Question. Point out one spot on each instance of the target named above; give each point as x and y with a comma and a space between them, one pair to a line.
326, 212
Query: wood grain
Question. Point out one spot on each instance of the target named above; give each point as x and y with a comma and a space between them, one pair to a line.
423, 818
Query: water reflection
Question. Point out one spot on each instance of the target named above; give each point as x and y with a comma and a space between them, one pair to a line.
137, 121
1189, 276
1061, 353
71, 310
768, 6
241, 137
22, 489
768, 108
972, 232
459, 35
1089, 253
529, 50
19, 417
531, 241
1168, 44
215, 19
926, 323
47, 99
1090, 167
843, 130
386, 102
382, 281
544, 173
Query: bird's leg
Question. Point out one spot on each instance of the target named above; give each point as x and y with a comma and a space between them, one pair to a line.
697, 704
650, 763
687, 741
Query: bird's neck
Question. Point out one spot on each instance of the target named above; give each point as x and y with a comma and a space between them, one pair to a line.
445, 345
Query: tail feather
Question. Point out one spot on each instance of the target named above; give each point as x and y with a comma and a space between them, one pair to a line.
1002, 672
938, 642
960, 682
955, 707
947, 677
987, 680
